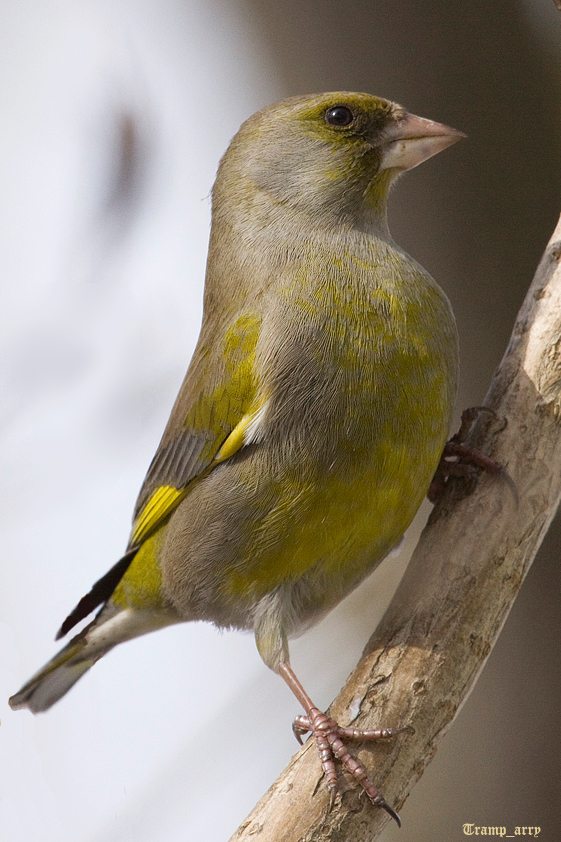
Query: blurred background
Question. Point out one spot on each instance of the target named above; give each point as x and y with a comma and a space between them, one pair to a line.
114, 116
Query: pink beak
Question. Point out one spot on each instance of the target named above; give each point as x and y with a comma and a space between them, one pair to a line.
411, 140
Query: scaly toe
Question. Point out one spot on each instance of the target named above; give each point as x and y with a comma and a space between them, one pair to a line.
328, 735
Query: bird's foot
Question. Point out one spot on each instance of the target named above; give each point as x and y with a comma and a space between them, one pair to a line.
466, 460
329, 740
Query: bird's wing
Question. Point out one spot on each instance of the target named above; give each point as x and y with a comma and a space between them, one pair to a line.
212, 418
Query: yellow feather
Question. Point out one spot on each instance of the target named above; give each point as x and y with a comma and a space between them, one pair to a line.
159, 506
236, 439
141, 586
166, 497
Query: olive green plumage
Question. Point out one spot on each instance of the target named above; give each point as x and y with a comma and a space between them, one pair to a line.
318, 400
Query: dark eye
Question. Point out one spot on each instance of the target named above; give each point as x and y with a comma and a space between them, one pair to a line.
339, 115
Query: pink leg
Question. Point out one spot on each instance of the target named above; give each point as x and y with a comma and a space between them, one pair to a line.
329, 740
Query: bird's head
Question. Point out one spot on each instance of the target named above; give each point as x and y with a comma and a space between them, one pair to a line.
331, 156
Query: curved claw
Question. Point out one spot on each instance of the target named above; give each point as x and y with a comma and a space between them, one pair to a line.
506, 478
385, 806
486, 463
333, 792
297, 733
300, 725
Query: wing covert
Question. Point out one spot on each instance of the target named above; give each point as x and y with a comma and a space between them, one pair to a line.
218, 393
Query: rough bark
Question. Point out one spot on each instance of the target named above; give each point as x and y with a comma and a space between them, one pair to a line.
424, 658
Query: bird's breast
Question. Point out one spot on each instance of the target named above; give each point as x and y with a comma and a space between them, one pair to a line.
350, 371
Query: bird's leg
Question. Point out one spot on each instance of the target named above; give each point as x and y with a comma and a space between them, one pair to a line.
466, 459
329, 740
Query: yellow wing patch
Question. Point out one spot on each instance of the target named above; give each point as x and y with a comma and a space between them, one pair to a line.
244, 432
223, 417
165, 499
159, 506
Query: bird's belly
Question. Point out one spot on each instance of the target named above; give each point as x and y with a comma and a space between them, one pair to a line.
321, 537
314, 518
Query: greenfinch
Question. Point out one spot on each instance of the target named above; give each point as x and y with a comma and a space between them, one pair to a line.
314, 411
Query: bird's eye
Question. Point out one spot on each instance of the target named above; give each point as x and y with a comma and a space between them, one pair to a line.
339, 115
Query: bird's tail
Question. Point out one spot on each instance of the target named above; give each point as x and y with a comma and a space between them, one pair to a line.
113, 625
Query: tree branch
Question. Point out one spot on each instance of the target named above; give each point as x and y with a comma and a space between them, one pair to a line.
424, 658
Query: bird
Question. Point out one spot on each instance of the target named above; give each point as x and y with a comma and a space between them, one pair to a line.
314, 411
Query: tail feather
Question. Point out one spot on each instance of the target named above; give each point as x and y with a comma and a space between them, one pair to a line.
113, 625
57, 677
100, 593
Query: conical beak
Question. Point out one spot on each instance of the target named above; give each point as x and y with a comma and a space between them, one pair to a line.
411, 140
